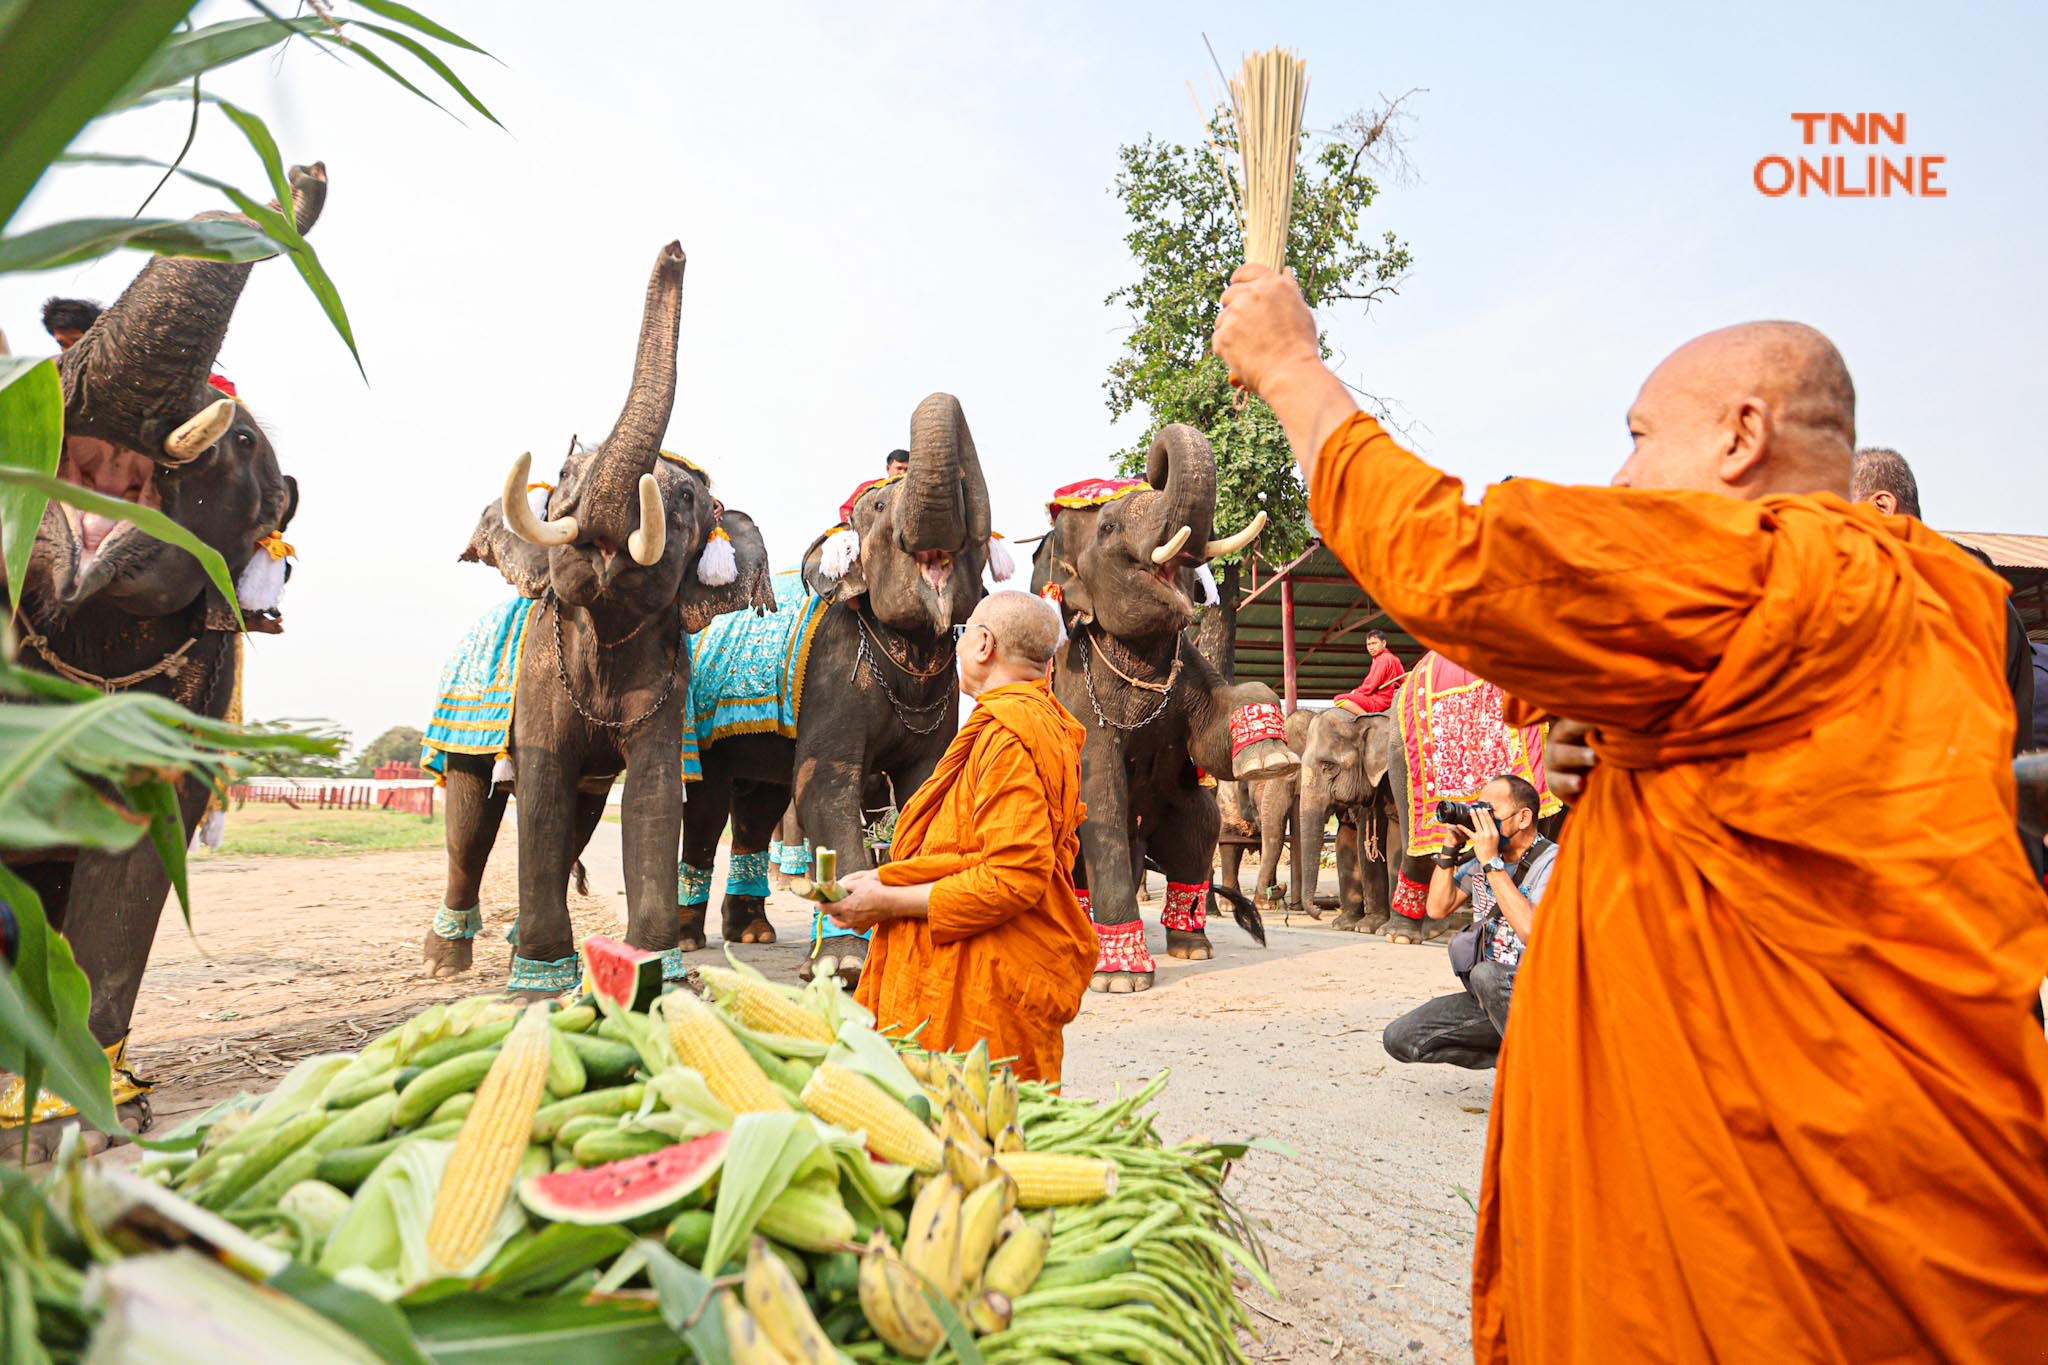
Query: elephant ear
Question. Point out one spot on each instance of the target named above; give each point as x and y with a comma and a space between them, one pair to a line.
1053, 565
832, 567
752, 585
525, 566
1377, 746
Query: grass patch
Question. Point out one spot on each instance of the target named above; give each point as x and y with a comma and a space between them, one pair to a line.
265, 831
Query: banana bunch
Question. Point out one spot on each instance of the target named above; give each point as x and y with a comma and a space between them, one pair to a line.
965, 1245
776, 1326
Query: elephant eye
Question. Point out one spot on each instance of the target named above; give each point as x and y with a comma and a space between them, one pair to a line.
879, 504
244, 441
1109, 528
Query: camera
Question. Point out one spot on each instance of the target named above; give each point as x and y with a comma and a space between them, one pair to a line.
1459, 813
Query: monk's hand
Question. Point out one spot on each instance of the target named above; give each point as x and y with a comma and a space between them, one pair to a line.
1567, 758
867, 902
1485, 834
1265, 328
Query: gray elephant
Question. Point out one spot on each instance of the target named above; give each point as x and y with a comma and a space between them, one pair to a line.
864, 687
1265, 810
1347, 770
1121, 558
105, 604
613, 572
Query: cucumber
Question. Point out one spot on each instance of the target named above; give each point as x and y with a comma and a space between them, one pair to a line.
565, 1068
690, 1234
534, 1162
606, 1061
583, 1125
365, 1123
622, 1099
483, 1035
362, 1089
347, 1167
437, 1083
574, 1019
456, 1106
281, 1142
617, 1144
614, 1028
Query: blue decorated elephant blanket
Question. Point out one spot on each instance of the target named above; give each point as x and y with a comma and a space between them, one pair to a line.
747, 671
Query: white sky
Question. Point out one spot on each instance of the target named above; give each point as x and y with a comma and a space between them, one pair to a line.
883, 200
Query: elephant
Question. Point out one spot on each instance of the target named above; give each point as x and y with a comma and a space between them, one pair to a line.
614, 571
1121, 559
108, 605
1266, 810
874, 690
1347, 770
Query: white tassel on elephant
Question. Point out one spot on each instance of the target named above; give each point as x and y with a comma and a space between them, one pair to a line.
842, 550
717, 565
260, 585
1208, 582
1002, 565
502, 772
537, 495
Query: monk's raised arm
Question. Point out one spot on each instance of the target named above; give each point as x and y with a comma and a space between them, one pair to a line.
1015, 869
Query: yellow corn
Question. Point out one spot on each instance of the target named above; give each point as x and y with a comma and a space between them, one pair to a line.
765, 1009
852, 1101
703, 1042
480, 1172
1048, 1178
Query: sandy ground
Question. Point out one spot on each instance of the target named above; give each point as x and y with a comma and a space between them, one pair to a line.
1370, 1235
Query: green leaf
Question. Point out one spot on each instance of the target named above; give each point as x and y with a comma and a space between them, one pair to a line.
559, 1253
44, 1004
370, 1320
258, 134
208, 49
685, 1298
765, 1154
31, 439
413, 19
64, 62
557, 1329
433, 63
145, 519
374, 60
83, 239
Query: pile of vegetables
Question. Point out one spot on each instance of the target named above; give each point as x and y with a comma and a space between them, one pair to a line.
750, 1174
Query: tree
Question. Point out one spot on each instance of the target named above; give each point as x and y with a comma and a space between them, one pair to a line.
1186, 239
326, 763
399, 744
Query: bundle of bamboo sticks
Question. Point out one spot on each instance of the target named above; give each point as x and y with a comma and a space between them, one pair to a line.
1266, 99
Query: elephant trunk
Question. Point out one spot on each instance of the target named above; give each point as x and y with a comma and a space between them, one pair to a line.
1181, 465
943, 507
1311, 815
139, 374
611, 496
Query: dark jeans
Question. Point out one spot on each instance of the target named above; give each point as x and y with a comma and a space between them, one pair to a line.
1463, 1029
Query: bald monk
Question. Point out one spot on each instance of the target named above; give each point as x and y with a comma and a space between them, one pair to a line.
1775, 1096
977, 928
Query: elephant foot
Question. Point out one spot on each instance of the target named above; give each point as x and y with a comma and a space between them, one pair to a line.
1120, 983
1188, 945
692, 936
41, 1140
446, 957
1401, 929
825, 964
849, 967
1265, 758
778, 880
1371, 922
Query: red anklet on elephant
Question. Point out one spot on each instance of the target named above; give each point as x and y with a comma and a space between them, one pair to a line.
1186, 907
1121, 948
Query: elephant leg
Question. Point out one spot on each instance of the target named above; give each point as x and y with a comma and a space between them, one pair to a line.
651, 831
1122, 963
544, 946
789, 853
1183, 847
1350, 878
1378, 902
590, 808
704, 818
756, 806
1240, 733
829, 800
1410, 922
1230, 865
475, 810
1141, 889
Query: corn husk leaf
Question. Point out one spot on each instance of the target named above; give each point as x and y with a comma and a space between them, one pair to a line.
863, 1180
867, 1052
647, 1032
548, 1260
560, 1329
182, 1308
684, 1296
687, 1106
300, 1089
381, 1247
767, 1153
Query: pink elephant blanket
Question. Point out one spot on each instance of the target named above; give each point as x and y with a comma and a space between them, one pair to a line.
1455, 743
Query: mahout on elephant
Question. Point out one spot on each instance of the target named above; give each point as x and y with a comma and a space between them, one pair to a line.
853, 682
630, 553
105, 604
1121, 558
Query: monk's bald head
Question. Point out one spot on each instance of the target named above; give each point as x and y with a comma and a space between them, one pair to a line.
1764, 407
1011, 637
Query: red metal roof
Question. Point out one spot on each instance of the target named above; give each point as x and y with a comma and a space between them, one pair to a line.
2006, 551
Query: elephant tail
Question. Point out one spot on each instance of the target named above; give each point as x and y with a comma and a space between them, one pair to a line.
1242, 908
582, 880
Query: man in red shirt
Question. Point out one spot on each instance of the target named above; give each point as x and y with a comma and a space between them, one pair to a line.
1382, 680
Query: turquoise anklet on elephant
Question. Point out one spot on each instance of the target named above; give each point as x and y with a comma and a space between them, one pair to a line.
626, 554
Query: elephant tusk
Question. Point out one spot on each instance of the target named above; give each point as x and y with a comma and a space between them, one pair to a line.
647, 543
1172, 547
191, 440
1232, 544
519, 515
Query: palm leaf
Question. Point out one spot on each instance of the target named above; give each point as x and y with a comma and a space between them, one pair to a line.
31, 439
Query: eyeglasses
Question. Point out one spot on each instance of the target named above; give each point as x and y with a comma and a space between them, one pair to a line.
965, 626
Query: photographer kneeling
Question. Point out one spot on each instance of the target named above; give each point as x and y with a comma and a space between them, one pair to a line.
1503, 879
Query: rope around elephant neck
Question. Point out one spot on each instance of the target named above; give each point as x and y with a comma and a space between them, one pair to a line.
1165, 689
562, 674
171, 663
904, 710
942, 661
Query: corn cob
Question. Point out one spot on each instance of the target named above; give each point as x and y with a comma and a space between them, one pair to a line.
852, 1101
764, 1009
1045, 1179
490, 1146
705, 1043
809, 1216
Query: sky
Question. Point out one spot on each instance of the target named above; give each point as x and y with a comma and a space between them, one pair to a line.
885, 200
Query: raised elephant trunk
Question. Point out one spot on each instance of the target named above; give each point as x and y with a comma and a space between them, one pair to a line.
612, 491
944, 504
138, 377
1181, 465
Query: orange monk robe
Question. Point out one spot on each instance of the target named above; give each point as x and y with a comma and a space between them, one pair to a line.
1770, 1090
1006, 950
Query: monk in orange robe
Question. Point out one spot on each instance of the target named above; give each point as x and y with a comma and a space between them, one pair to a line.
978, 933
1771, 1091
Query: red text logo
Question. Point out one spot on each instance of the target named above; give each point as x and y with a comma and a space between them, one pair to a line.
1873, 174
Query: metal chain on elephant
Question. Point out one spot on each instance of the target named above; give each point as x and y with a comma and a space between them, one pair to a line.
1165, 689
904, 710
562, 674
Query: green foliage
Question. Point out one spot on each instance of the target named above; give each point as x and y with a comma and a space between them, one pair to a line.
1186, 240
325, 763
399, 744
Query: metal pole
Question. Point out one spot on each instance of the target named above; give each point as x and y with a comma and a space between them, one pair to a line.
1288, 669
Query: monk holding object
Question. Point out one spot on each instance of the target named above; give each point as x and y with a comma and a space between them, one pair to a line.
1772, 1091
977, 931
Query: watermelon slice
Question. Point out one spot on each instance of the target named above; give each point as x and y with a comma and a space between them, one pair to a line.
624, 1191
621, 972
